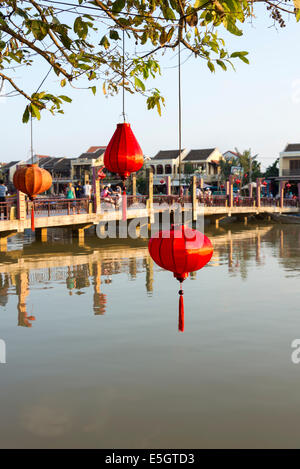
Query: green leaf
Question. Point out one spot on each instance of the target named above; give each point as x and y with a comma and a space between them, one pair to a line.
221, 64
199, 3
139, 84
65, 98
298, 14
25, 117
118, 5
113, 34
35, 111
105, 42
94, 89
211, 66
230, 25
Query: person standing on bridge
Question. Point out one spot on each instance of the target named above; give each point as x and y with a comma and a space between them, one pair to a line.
3, 192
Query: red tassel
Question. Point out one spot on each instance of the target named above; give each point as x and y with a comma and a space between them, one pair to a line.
181, 312
32, 217
124, 206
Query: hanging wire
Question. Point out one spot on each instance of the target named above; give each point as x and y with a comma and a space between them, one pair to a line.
123, 72
179, 113
31, 126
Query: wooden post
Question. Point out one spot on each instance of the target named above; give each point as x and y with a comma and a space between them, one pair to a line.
41, 234
250, 189
230, 195
21, 206
201, 182
96, 191
168, 185
258, 182
227, 188
281, 192
194, 199
150, 194
133, 181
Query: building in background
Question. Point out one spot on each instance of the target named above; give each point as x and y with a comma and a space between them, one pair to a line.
82, 167
205, 162
289, 162
166, 163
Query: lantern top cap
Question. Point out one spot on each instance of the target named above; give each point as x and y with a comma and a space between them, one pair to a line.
123, 123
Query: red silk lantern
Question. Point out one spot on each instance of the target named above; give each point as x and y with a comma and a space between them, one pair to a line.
265, 183
237, 181
181, 250
162, 181
32, 180
222, 186
288, 185
123, 156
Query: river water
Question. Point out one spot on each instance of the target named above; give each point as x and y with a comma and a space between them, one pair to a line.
95, 359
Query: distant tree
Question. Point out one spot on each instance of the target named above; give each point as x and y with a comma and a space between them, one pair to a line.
272, 170
188, 168
243, 159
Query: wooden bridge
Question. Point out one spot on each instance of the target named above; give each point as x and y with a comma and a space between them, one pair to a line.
80, 214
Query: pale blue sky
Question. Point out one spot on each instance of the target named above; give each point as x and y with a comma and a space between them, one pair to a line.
255, 107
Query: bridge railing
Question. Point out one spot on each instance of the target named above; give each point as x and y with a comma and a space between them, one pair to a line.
290, 203
56, 206
6, 209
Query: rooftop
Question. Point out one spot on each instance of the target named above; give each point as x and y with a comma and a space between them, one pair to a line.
166, 155
93, 153
199, 155
292, 147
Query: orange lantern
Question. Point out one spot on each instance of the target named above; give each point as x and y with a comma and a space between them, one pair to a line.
32, 180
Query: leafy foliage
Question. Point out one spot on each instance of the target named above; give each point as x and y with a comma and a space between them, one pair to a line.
244, 160
85, 41
272, 170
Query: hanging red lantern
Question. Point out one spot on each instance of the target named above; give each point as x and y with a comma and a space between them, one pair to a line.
222, 186
288, 185
181, 250
123, 156
101, 174
32, 180
237, 181
162, 181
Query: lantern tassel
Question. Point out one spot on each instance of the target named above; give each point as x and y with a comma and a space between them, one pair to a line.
32, 217
181, 311
124, 205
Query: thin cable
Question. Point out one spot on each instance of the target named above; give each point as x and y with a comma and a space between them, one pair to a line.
123, 72
179, 113
31, 126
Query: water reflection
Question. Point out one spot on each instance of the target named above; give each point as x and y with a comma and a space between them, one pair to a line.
88, 266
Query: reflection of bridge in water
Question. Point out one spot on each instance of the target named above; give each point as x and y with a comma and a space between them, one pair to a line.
90, 266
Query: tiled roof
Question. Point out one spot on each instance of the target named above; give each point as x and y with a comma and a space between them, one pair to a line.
93, 149
292, 147
198, 155
42, 156
64, 163
93, 155
232, 152
166, 155
44, 161
10, 164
